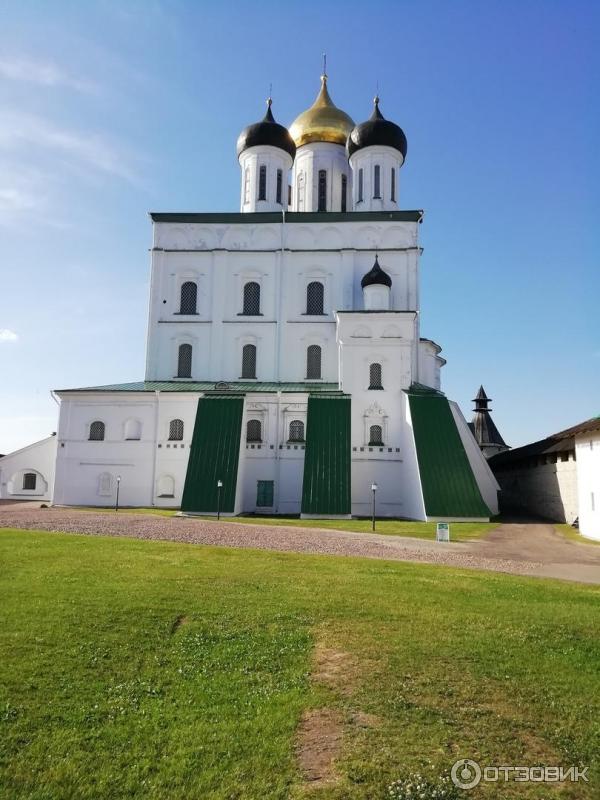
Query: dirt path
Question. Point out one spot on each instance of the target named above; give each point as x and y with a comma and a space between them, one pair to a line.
522, 549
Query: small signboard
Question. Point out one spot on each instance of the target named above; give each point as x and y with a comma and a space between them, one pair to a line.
443, 532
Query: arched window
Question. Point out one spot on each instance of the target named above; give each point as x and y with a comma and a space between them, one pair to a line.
249, 361
176, 430
375, 435
29, 481
360, 184
313, 361
322, 196
314, 297
262, 182
377, 181
375, 376
133, 430
296, 431
165, 486
253, 431
184, 361
300, 193
344, 192
97, 430
246, 185
393, 185
189, 295
252, 299
279, 186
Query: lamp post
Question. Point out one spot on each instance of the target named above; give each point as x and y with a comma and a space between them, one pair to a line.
219, 487
118, 487
373, 489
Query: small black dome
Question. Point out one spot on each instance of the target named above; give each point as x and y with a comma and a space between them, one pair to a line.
377, 130
266, 132
376, 276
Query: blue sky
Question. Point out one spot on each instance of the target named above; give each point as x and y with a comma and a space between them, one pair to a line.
111, 109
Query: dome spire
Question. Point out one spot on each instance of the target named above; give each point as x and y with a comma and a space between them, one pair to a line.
323, 121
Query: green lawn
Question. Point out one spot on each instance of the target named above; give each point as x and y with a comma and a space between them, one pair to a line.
132, 669
459, 531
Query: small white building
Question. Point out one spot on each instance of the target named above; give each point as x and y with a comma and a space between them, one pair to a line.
557, 478
28, 473
284, 355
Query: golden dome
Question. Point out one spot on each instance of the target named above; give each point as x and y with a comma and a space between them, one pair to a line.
322, 122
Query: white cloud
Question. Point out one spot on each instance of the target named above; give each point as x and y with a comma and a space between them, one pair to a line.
31, 134
7, 335
42, 73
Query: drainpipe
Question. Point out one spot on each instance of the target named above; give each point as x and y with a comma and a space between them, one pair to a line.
155, 445
280, 296
277, 457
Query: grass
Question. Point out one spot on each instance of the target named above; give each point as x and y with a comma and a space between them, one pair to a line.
162, 671
459, 531
571, 533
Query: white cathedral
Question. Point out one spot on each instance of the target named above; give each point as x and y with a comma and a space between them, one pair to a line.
285, 370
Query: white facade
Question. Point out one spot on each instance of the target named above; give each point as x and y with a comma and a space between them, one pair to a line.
28, 473
268, 302
587, 449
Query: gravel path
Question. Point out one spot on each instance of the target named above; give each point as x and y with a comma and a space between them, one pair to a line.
520, 549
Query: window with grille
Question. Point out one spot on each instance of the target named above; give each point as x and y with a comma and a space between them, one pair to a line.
313, 361
375, 376
189, 295
252, 299
377, 181
360, 185
296, 431
322, 205
253, 431
176, 430
29, 481
314, 297
262, 183
249, 361
344, 191
279, 186
264, 494
375, 435
184, 361
97, 429
393, 186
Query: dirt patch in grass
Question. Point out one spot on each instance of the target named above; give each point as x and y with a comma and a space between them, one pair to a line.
319, 742
177, 623
334, 669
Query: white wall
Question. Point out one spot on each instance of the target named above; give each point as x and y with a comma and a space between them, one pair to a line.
388, 159
310, 159
283, 259
587, 449
38, 458
548, 490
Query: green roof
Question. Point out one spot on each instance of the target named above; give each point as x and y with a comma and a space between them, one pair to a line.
207, 386
326, 483
214, 455
448, 483
236, 218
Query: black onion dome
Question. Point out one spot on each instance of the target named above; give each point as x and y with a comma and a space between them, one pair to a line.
266, 132
376, 131
376, 276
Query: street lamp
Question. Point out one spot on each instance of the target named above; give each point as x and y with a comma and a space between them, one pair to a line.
118, 487
219, 487
373, 489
